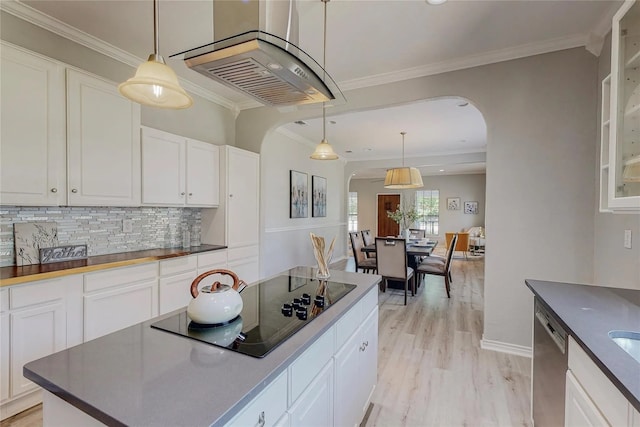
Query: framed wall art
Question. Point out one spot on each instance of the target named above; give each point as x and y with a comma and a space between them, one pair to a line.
319, 196
299, 194
453, 203
471, 207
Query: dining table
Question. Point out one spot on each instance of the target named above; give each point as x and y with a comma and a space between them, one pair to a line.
416, 248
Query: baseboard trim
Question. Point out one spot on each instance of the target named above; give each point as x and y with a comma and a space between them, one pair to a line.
503, 347
19, 404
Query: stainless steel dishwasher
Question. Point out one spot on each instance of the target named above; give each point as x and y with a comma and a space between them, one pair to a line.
549, 369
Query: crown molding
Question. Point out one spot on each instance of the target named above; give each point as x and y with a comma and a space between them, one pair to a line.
468, 62
53, 25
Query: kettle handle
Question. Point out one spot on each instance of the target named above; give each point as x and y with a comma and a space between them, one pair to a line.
196, 281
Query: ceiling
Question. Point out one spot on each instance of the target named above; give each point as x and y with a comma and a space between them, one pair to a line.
368, 43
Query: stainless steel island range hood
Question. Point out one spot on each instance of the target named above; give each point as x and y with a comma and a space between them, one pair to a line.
254, 52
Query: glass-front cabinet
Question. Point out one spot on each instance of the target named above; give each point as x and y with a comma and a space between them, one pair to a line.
624, 136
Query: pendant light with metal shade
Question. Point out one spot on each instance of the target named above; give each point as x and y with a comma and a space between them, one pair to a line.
404, 177
155, 84
324, 150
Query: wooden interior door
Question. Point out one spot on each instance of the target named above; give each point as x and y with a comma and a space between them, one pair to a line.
387, 226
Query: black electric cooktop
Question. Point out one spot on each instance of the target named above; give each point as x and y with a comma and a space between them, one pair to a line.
273, 310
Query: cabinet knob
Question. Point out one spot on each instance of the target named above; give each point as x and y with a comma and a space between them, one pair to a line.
182, 194
74, 190
261, 420
54, 190
230, 195
190, 194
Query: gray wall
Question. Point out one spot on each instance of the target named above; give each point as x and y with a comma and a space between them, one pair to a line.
541, 127
614, 265
285, 241
205, 120
467, 187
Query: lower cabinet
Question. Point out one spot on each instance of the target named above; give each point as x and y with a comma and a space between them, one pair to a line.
117, 298
267, 408
36, 320
176, 276
356, 370
315, 405
591, 398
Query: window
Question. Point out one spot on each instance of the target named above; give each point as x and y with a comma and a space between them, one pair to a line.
353, 211
428, 207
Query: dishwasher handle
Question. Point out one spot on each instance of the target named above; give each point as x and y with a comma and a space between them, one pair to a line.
555, 332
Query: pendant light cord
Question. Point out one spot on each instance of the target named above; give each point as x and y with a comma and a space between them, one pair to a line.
156, 41
403, 134
324, 72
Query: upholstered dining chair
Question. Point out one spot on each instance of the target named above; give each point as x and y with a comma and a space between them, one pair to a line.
368, 239
362, 263
435, 267
392, 263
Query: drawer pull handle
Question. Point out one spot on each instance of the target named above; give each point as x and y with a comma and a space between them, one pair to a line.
54, 190
261, 420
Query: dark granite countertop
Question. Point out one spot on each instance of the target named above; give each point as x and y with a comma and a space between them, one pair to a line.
145, 376
588, 313
14, 275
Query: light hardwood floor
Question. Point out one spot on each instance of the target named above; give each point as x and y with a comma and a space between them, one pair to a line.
431, 370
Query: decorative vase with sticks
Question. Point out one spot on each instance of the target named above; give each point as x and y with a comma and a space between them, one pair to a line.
323, 259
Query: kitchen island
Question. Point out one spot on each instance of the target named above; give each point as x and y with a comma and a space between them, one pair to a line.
145, 376
606, 376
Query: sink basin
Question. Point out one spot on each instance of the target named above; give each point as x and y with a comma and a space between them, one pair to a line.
628, 341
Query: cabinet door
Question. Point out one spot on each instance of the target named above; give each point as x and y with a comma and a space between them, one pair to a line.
315, 405
4, 357
369, 359
203, 174
243, 197
266, 409
118, 308
103, 142
163, 171
35, 332
32, 130
174, 292
579, 409
348, 396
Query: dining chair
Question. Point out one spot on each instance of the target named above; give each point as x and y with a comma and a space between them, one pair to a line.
368, 239
362, 263
416, 233
437, 268
392, 263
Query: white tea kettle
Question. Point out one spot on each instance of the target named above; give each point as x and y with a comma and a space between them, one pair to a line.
218, 303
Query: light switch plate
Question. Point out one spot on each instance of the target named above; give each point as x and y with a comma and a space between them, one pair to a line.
627, 239
127, 225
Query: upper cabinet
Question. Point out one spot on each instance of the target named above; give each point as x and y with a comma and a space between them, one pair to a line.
624, 133
179, 171
32, 129
103, 143
77, 145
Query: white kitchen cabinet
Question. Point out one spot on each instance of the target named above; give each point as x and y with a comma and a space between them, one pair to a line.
4, 348
605, 124
32, 129
117, 298
179, 171
315, 405
267, 408
236, 222
356, 363
580, 411
591, 396
624, 139
43, 318
176, 276
103, 143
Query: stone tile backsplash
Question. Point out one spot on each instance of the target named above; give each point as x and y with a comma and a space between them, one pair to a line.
100, 228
